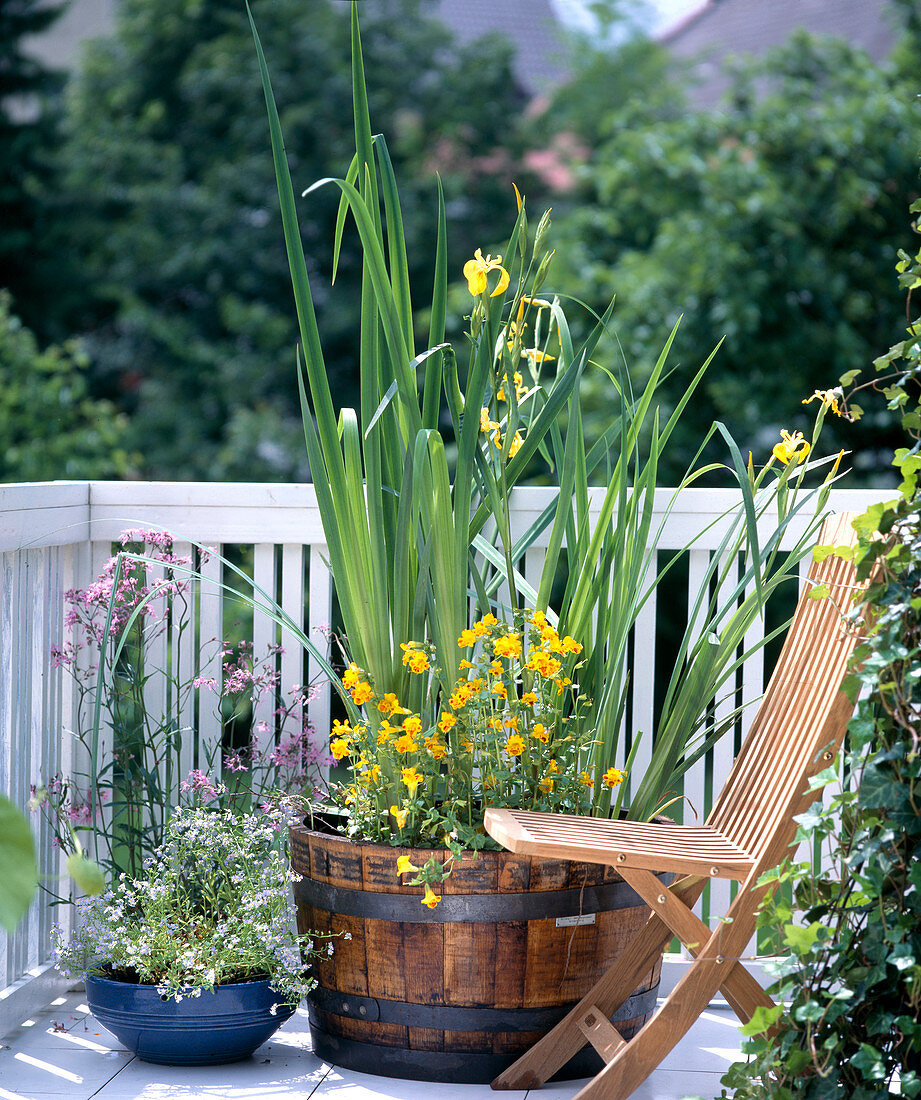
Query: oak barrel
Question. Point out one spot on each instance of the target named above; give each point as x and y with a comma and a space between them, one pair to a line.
458, 992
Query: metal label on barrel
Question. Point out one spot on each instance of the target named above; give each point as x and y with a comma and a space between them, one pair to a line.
572, 922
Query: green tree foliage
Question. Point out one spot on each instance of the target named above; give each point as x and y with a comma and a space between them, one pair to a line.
50, 429
771, 223
174, 207
848, 1017
29, 115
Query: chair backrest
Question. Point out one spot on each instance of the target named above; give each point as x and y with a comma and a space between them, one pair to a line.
803, 713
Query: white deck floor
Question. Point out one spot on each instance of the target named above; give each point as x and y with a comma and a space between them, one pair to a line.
64, 1052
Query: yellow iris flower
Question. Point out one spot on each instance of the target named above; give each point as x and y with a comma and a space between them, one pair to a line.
791, 448
476, 270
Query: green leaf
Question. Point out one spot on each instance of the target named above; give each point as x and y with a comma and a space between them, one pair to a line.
18, 868
763, 1019
86, 873
801, 939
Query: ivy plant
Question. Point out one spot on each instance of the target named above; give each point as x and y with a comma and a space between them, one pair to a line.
848, 992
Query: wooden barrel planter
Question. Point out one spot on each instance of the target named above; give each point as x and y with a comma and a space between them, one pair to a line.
458, 992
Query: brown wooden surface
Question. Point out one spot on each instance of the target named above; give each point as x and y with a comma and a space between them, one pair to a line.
514, 964
796, 733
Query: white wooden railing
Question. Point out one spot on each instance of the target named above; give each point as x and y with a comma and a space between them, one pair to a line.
57, 536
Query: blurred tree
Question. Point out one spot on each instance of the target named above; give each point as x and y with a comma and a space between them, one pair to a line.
174, 204
50, 429
773, 223
30, 107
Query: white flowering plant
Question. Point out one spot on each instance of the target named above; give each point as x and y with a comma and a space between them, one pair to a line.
212, 906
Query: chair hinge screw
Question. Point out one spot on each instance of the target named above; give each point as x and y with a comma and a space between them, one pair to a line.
714, 870
621, 858
661, 899
719, 959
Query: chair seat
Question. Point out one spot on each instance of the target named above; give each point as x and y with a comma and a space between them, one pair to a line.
687, 849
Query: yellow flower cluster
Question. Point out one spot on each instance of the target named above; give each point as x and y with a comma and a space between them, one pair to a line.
507, 732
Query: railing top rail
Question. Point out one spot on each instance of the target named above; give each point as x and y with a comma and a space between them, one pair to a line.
55, 513
60, 513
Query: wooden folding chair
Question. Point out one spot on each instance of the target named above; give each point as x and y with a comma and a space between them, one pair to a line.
795, 734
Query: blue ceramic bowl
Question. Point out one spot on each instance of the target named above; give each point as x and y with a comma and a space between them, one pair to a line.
222, 1026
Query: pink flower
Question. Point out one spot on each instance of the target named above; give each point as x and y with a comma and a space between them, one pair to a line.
234, 762
200, 783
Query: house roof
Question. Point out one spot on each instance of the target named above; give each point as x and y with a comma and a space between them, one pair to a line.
722, 29
533, 26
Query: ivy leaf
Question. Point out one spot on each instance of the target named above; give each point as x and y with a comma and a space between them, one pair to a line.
800, 938
18, 869
869, 1061
763, 1019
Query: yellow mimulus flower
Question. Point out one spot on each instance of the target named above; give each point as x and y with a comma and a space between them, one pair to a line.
411, 778
514, 745
613, 777
400, 815
405, 865
586, 780
475, 272
389, 704
362, 693
546, 784
467, 639
507, 645
539, 733
515, 445
339, 748
791, 448
431, 899
405, 744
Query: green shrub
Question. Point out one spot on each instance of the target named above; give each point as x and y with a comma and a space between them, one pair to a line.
51, 429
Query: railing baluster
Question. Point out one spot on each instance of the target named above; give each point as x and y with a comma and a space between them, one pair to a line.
184, 663
265, 634
644, 676
292, 600
320, 613
210, 666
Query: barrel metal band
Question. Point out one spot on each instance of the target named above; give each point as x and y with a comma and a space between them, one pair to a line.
459, 1018
492, 908
434, 1065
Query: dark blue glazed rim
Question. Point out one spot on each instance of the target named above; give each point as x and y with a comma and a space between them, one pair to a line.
225, 1025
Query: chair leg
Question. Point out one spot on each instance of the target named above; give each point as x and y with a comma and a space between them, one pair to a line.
555, 1049
634, 1061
